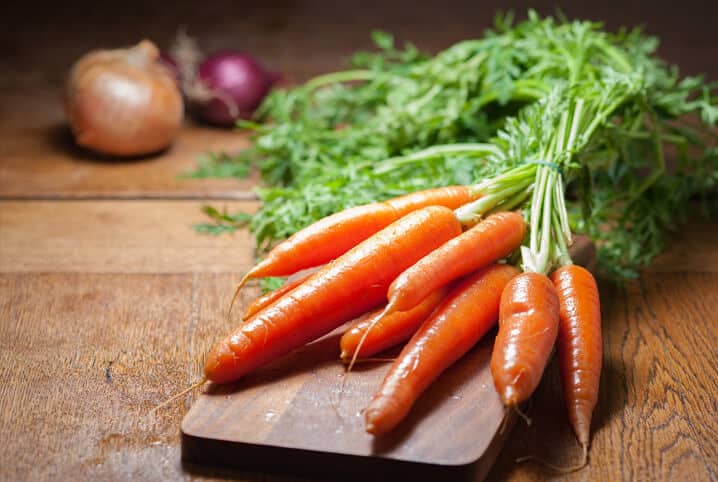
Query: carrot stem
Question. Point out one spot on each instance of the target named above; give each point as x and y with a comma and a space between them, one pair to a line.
338, 77
478, 149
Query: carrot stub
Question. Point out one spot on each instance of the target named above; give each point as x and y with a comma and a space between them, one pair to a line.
495, 237
528, 325
579, 346
350, 285
465, 315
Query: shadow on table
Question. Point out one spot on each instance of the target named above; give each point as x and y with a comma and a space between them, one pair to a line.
61, 139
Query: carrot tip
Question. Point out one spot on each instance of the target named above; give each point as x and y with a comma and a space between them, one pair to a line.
555, 468
389, 308
521, 414
364, 336
183, 392
242, 282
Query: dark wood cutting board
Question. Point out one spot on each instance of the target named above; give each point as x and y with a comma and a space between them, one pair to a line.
303, 415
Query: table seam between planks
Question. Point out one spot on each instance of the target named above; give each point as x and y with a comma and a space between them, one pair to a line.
160, 196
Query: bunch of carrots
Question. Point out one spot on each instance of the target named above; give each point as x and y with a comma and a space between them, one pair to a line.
441, 267
416, 272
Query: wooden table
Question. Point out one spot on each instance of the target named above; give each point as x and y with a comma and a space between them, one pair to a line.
109, 299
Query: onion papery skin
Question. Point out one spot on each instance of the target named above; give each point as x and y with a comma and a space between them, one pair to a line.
123, 102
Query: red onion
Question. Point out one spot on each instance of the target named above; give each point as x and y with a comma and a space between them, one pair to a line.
223, 87
234, 85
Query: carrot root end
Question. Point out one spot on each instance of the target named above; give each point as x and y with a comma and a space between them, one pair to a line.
557, 468
241, 284
180, 394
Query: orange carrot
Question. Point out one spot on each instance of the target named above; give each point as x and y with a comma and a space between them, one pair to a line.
451, 197
579, 345
344, 288
268, 298
389, 330
528, 324
465, 315
334, 235
493, 238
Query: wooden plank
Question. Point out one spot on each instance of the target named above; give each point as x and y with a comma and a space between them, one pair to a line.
655, 418
83, 359
119, 237
153, 236
39, 159
690, 249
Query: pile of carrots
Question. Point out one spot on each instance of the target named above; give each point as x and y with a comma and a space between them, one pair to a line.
410, 270
438, 269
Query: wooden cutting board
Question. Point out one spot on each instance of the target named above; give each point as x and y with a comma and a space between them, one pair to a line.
303, 415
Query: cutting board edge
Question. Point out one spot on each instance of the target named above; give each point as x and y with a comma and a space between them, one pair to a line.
198, 452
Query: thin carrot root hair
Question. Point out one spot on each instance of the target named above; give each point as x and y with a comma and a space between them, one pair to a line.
557, 468
374, 359
355, 356
363, 338
241, 284
180, 394
505, 421
521, 414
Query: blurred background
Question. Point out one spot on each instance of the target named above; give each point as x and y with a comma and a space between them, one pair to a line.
302, 38
298, 39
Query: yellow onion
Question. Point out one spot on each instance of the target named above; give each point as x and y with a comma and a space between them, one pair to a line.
123, 102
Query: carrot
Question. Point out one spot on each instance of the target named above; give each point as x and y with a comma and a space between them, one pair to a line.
493, 238
528, 324
451, 197
579, 347
268, 298
334, 235
465, 315
344, 288
389, 330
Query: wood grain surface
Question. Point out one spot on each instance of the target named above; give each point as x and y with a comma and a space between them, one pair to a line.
85, 356
108, 301
119, 237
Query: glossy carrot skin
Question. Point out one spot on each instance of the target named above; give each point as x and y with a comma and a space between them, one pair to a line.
493, 238
466, 314
350, 285
387, 331
334, 235
451, 197
268, 298
579, 345
528, 325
